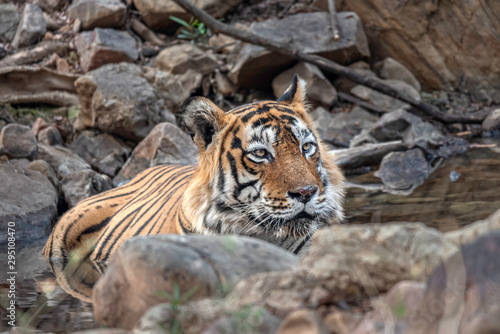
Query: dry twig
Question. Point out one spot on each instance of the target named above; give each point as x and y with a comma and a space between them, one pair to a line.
333, 20
146, 33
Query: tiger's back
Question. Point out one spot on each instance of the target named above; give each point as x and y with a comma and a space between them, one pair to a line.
83, 240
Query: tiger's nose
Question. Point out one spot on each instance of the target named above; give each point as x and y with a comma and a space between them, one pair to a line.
303, 194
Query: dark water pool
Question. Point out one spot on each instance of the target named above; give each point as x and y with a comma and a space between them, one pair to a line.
464, 189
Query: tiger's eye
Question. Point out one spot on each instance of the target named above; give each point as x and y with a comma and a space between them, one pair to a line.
306, 147
259, 153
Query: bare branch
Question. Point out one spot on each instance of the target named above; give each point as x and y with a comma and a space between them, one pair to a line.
333, 20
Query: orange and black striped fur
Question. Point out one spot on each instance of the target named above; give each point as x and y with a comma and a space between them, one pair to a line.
262, 172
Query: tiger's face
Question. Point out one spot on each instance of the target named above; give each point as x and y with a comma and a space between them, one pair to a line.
266, 169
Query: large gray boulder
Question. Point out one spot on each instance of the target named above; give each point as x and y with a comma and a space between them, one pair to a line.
98, 13
102, 151
9, 19
344, 126
345, 264
404, 170
390, 68
81, 185
62, 160
157, 14
29, 201
255, 66
31, 28
117, 99
105, 46
382, 101
178, 59
146, 270
18, 141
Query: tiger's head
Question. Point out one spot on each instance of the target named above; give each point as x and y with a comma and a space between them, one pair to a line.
262, 169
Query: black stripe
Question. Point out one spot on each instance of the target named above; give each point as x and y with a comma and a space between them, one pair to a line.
93, 228
306, 239
184, 229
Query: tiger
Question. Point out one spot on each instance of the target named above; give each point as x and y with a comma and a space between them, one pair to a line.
262, 171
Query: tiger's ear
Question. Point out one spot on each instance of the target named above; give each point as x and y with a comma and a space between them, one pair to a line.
203, 119
296, 93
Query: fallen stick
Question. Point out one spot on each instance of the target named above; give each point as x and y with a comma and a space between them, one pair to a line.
333, 20
325, 64
28, 57
146, 33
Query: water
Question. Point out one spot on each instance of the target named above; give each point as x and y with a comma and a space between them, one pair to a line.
464, 189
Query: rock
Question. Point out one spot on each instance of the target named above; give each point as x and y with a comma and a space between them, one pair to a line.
400, 124
166, 144
319, 89
157, 14
393, 125
105, 46
361, 68
9, 19
403, 170
179, 58
98, 13
475, 230
321, 118
342, 322
17, 141
44, 168
347, 263
81, 185
392, 311
345, 126
102, 151
165, 263
31, 28
251, 319
256, 67
49, 6
492, 121
117, 99
463, 293
384, 255
394, 70
29, 201
412, 34
61, 159
50, 136
222, 43
383, 101
303, 321
175, 89
223, 85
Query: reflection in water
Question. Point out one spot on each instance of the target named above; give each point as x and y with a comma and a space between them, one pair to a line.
462, 190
